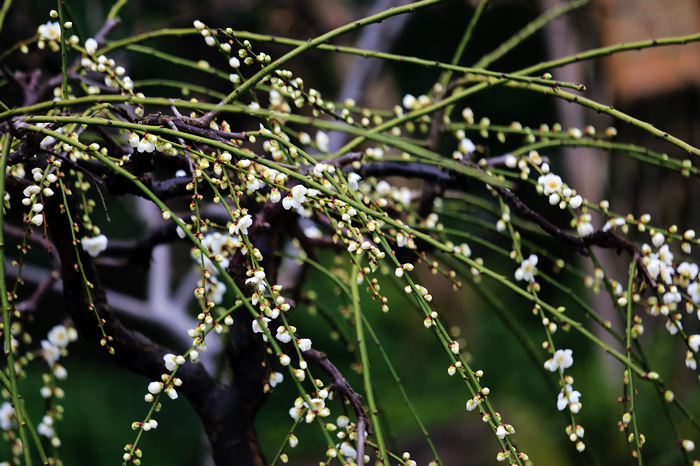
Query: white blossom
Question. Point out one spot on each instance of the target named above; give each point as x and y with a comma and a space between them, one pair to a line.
562, 359
527, 269
304, 344
50, 31
694, 342
298, 197
50, 352
242, 225
155, 387
170, 361
567, 397
7, 416
58, 336
353, 181
94, 246
91, 46
258, 279
322, 141
276, 378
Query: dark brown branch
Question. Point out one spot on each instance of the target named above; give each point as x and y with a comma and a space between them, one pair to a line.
343, 388
603, 239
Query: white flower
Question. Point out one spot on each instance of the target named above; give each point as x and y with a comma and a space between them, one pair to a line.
694, 342
585, 228
94, 246
353, 181
567, 396
473, 403
283, 335
91, 46
45, 429
170, 361
145, 145
304, 344
234, 62
58, 336
293, 440
317, 404
7, 416
258, 279
665, 255
155, 387
551, 183
298, 197
562, 359
527, 269
256, 324
50, 352
38, 219
409, 101
242, 225
50, 31
347, 450
295, 412
322, 141
276, 378
575, 202
275, 195
686, 272
466, 146
60, 372
171, 393
501, 432
658, 239
673, 325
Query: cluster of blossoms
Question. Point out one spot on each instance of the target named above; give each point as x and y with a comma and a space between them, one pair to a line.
558, 192
54, 347
563, 359
49, 33
150, 143
32, 194
169, 381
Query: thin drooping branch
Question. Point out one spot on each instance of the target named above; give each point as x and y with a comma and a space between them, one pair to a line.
225, 412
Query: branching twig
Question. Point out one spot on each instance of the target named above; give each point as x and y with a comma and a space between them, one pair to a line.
604, 239
343, 388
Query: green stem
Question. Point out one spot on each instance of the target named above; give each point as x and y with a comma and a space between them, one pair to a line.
3, 12
447, 75
6, 319
609, 110
269, 69
630, 376
64, 57
369, 389
527, 31
32, 431
114, 11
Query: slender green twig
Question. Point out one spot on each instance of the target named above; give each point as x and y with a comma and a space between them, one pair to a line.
114, 11
631, 393
64, 57
447, 74
269, 69
6, 318
369, 388
609, 110
3, 12
527, 31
